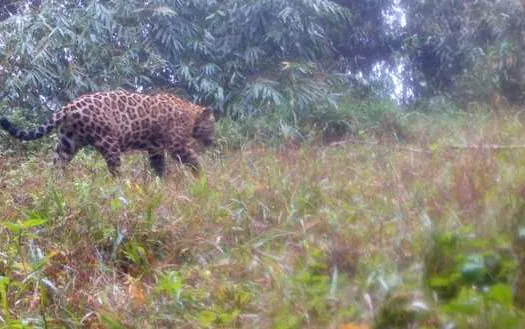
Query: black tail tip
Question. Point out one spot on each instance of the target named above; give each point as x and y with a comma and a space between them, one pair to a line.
4, 123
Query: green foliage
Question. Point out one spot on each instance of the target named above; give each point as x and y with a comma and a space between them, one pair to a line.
61, 51
309, 287
464, 49
486, 308
169, 283
241, 57
229, 302
459, 261
246, 57
324, 122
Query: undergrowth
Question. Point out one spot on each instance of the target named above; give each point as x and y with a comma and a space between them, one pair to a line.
370, 231
323, 123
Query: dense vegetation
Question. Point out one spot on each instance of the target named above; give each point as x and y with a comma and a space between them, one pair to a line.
246, 57
368, 172
357, 234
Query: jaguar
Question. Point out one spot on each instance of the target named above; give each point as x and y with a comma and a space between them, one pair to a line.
114, 122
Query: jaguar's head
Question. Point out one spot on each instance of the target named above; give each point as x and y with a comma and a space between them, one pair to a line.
204, 128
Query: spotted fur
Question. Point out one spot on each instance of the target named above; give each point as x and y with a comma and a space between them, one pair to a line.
118, 121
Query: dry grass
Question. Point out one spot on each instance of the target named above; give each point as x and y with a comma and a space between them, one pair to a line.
301, 237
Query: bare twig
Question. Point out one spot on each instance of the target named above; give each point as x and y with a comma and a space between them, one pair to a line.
487, 146
428, 151
399, 147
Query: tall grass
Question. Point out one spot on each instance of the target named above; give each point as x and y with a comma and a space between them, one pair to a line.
310, 236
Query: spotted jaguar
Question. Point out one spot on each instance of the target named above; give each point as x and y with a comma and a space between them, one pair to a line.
114, 122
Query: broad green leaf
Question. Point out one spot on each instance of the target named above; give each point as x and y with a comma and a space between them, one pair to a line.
30, 223
501, 293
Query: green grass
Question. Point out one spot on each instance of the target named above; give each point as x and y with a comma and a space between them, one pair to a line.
302, 236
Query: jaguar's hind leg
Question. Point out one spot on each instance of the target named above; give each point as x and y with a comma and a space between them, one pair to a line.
112, 158
157, 162
65, 151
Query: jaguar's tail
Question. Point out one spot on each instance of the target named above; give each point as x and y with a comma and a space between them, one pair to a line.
32, 134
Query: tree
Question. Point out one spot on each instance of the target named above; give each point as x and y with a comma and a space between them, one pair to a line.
475, 44
248, 56
237, 55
